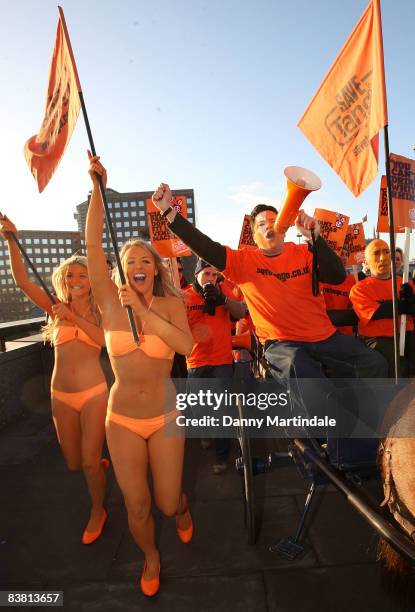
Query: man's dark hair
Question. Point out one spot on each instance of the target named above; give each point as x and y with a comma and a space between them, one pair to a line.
399, 250
259, 208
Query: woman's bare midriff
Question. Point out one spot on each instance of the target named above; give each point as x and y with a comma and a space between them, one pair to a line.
77, 367
143, 388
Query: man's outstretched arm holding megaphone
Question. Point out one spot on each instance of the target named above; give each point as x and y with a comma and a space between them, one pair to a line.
268, 236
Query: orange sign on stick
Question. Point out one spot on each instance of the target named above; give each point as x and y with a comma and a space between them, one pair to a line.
343, 119
246, 240
44, 150
383, 217
333, 227
162, 239
403, 190
355, 244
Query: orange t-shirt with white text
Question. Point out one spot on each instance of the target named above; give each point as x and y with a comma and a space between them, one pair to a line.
366, 297
337, 297
212, 339
278, 293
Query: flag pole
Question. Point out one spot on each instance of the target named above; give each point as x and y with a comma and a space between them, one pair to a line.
101, 186
392, 249
32, 267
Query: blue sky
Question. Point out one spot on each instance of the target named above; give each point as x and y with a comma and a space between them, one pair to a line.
204, 94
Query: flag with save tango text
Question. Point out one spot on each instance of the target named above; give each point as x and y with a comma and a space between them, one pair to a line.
44, 150
343, 119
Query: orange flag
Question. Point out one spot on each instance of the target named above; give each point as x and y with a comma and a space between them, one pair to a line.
44, 151
162, 239
343, 119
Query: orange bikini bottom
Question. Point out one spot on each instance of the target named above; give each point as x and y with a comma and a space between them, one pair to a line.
77, 400
142, 427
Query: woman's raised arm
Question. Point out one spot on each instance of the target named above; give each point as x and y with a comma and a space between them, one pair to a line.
35, 293
102, 286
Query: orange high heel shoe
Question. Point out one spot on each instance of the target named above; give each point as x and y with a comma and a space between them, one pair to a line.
105, 463
185, 535
149, 587
88, 537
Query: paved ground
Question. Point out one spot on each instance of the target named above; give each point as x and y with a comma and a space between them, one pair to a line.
44, 510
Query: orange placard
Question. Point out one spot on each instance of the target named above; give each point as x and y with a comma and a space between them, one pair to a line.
246, 240
343, 119
383, 217
162, 239
44, 150
403, 190
355, 244
333, 227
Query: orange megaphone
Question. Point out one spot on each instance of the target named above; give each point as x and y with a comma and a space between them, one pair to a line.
300, 182
243, 341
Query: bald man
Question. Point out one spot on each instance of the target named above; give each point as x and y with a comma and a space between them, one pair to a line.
372, 301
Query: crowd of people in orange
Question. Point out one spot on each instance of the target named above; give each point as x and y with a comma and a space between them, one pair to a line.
267, 290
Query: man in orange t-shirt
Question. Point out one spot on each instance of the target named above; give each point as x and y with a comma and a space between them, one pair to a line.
210, 306
276, 279
372, 302
337, 298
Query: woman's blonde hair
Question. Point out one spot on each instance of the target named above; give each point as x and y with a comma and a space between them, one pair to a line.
163, 285
63, 294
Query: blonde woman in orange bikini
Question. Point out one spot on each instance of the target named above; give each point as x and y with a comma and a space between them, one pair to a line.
142, 388
79, 392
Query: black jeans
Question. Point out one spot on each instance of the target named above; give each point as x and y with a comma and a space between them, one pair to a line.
222, 445
342, 356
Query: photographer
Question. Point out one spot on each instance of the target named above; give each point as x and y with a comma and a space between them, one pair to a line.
210, 307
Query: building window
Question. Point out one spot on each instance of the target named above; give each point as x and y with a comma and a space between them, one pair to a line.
125, 204
142, 223
126, 213
46, 260
190, 210
28, 240
189, 200
134, 213
61, 250
29, 251
38, 260
118, 224
37, 250
126, 224
133, 203
109, 204
68, 241
119, 234
60, 240
142, 213
118, 215
53, 250
36, 241
128, 234
61, 259
104, 245
53, 240
134, 223
54, 260
47, 269
141, 203
44, 241
116, 204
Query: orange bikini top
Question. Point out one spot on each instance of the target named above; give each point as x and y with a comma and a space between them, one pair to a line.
122, 342
67, 333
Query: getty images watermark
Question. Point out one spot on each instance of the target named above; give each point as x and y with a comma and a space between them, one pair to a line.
224, 400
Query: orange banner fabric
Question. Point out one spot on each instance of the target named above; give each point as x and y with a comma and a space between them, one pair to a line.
333, 227
44, 151
355, 244
343, 119
162, 239
246, 240
383, 217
